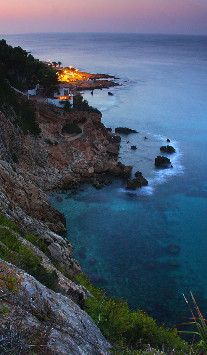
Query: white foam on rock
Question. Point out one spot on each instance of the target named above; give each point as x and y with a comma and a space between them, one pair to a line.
160, 175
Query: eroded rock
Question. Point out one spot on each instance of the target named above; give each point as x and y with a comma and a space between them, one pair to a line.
49, 321
162, 161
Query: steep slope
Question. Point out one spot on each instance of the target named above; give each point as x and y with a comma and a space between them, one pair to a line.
34, 318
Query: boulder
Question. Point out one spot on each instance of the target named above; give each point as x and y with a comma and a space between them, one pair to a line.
119, 169
137, 182
125, 130
168, 140
167, 149
112, 149
162, 161
110, 93
113, 138
133, 147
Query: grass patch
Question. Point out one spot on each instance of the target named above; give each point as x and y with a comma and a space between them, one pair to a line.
13, 251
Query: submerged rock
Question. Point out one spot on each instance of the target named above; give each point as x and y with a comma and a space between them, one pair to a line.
110, 93
59, 199
137, 182
168, 140
167, 149
173, 263
173, 249
92, 261
162, 161
133, 147
125, 130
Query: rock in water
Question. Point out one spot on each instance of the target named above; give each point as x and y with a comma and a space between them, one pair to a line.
137, 182
133, 147
167, 149
162, 161
124, 130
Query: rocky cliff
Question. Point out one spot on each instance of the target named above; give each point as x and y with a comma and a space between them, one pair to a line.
38, 320
30, 166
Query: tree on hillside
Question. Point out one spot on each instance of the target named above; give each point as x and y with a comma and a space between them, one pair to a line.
59, 63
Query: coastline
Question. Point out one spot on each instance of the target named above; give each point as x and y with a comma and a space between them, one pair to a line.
46, 157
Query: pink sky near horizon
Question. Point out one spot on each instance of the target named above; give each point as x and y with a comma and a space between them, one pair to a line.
144, 16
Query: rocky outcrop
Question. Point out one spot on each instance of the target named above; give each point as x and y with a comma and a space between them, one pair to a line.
120, 170
38, 319
125, 130
167, 149
32, 165
162, 161
137, 182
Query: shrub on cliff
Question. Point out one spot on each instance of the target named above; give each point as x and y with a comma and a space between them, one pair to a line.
72, 128
82, 105
26, 119
120, 325
9, 104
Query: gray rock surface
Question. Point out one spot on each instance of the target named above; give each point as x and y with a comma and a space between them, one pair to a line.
34, 318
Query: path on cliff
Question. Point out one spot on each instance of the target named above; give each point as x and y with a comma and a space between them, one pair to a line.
72, 137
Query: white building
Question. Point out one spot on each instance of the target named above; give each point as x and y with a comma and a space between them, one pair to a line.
61, 95
33, 92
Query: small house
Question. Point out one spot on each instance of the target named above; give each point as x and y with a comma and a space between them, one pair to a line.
63, 93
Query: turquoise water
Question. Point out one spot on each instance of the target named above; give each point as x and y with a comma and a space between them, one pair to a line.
122, 240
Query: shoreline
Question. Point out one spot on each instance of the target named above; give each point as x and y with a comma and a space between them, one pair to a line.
80, 80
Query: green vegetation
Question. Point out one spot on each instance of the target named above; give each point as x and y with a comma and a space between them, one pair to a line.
127, 329
66, 105
24, 71
26, 119
23, 110
82, 105
14, 251
72, 128
200, 323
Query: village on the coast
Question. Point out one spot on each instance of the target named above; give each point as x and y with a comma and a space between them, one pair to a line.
71, 81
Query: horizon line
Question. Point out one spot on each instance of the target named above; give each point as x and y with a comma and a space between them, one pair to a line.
121, 33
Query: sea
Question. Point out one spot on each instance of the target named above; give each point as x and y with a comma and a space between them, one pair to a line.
147, 247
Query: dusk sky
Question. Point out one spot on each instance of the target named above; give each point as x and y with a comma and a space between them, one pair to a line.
142, 16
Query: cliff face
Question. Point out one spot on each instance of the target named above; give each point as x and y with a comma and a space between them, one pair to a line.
29, 167
32, 165
40, 320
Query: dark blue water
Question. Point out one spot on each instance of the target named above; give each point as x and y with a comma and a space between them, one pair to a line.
122, 240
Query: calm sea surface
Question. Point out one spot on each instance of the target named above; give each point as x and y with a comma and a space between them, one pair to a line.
124, 240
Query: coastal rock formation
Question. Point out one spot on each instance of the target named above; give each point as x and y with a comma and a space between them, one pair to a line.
120, 170
167, 149
30, 166
51, 322
162, 161
125, 130
137, 182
